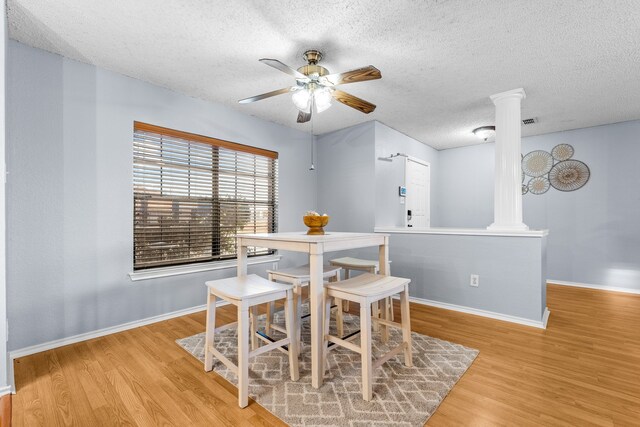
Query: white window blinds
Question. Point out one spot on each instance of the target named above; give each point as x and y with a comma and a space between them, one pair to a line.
193, 194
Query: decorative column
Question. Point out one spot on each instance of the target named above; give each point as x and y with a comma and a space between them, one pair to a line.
508, 169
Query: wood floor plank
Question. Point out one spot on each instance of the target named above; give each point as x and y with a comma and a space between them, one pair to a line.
583, 370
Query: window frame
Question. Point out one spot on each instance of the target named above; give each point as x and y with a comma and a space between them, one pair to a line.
182, 267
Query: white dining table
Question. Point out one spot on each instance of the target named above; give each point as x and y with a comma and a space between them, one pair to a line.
316, 246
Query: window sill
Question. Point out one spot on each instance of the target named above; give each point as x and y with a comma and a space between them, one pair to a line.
155, 273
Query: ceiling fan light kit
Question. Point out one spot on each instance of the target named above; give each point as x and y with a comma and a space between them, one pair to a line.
315, 86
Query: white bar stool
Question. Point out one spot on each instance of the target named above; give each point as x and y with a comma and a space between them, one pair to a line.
369, 266
299, 277
246, 293
366, 289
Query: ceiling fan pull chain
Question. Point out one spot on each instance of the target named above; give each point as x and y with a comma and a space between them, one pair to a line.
312, 168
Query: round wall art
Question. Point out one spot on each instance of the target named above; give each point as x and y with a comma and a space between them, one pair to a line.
569, 175
537, 163
538, 185
556, 169
562, 152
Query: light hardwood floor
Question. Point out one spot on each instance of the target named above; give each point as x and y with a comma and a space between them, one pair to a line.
583, 370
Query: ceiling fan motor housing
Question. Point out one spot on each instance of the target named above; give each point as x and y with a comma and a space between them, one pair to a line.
313, 70
312, 56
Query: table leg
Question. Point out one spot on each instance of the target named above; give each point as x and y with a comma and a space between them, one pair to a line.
242, 257
316, 303
383, 257
383, 269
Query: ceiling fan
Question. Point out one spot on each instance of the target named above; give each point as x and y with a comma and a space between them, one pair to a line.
315, 87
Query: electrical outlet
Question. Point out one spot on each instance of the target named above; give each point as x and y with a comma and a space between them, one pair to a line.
474, 280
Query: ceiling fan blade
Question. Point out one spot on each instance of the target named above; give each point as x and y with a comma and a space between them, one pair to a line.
360, 75
266, 95
353, 101
303, 117
284, 68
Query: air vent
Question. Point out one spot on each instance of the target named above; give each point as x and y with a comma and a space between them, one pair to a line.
530, 121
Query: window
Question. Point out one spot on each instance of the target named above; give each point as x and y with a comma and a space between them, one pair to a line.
192, 194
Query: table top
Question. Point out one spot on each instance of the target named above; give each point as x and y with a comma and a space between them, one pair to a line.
303, 237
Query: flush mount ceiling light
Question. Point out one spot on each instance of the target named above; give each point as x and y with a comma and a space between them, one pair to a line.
315, 88
485, 132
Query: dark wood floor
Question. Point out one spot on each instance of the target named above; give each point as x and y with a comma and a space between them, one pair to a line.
583, 370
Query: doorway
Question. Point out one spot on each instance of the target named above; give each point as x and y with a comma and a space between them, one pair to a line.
418, 182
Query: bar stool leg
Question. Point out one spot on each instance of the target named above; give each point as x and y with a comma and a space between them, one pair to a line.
297, 311
339, 312
375, 312
339, 318
375, 307
253, 327
383, 313
243, 355
406, 326
325, 331
211, 328
270, 310
346, 303
291, 323
365, 349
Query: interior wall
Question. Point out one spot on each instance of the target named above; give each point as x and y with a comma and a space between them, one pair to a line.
4, 357
70, 193
390, 175
511, 271
594, 232
346, 177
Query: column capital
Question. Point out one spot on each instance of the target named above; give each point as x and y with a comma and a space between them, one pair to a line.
515, 93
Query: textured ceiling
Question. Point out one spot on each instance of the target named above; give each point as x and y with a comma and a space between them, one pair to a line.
579, 61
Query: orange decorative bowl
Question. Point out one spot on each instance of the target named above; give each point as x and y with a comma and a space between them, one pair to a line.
315, 223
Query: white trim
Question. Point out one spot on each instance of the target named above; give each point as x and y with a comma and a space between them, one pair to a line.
6, 389
26, 351
598, 287
542, 324
545, 317
154, 273
463, 231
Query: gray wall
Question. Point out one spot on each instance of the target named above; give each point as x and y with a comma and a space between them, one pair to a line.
346, 178
594, 232
69, 192
511, 271
4, 357
390, 175
359, 191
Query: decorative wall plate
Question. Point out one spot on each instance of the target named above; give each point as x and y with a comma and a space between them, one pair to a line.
562, 152
537, 163
525, 189
538, 185
569, 175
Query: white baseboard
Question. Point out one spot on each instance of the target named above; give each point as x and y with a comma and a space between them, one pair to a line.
598, 287
5, 389
26, 351
542, 324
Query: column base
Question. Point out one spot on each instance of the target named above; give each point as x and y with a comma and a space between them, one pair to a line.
508, 227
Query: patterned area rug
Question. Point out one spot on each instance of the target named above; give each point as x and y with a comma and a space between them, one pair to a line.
401, 396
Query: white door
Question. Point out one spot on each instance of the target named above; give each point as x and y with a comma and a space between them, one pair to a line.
418, 180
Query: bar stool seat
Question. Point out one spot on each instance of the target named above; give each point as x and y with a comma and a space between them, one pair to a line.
365, 290
350, 263
300, 277
246, 293
357, 264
